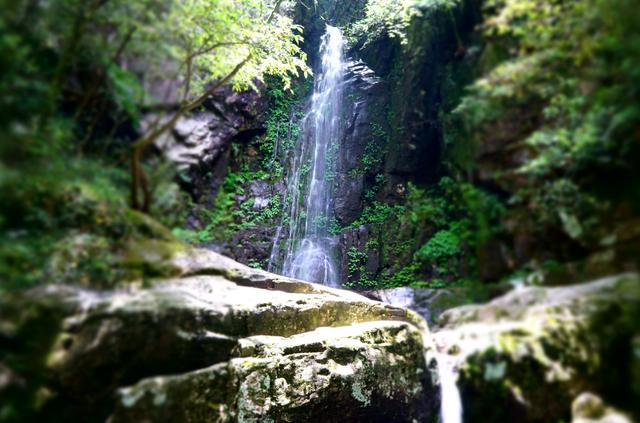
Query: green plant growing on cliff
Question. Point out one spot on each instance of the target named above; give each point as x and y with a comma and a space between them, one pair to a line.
377, 212
464, 218
356, 266
457, 217
443, 245
391, 18
373, 155
229, 215
560, 77
282, 123
331, 160
374, 151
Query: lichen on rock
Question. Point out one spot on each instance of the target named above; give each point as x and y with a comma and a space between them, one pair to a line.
536, 349
223, 342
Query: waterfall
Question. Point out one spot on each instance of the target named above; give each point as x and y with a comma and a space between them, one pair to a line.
308, 250
450, 401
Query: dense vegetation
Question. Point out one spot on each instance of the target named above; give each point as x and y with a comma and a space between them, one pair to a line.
87, 88
543, 143
536, 113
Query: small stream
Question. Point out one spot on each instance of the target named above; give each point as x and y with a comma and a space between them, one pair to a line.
450, 400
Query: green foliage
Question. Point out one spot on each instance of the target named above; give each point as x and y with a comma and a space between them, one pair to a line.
377, 212
282, 124
127, 90
374, 211
391, 18
561, 203
375, 149
230, 215
560, 79
331, 158
217, 35
356, 259
72, 75
67, 222
444, 245
357, 277
255, 264
458, 219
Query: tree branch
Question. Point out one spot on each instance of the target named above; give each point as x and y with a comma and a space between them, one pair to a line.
274, 11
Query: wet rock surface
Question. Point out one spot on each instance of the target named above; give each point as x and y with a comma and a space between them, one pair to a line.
428, 303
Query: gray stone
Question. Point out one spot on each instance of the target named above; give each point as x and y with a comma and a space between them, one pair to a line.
371, 371
239, 344
536, 349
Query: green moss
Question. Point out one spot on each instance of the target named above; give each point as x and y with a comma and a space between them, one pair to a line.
76, 229
454, 217
232, 210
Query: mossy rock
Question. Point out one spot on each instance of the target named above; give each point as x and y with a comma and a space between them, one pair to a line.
535, 349
71, 348
372, 371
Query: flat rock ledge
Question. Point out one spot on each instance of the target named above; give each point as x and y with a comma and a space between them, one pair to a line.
219, 342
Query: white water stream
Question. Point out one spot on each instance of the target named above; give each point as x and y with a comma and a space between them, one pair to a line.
450, 401
307, 250
303, 243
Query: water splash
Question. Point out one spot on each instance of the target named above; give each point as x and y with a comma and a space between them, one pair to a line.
450, 401
309, 248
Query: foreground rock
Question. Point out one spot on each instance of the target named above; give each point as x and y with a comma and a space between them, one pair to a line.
221, 342
528, 355
367, 372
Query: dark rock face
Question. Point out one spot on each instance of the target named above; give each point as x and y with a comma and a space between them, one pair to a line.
199, 143
365, 102
251, 245
419, 71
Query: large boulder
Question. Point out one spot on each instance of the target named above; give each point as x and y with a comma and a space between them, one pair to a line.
371, 371
218, 341
200, 142
527, 355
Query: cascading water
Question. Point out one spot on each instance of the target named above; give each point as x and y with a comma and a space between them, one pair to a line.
450, 401
303, 244
308, 247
